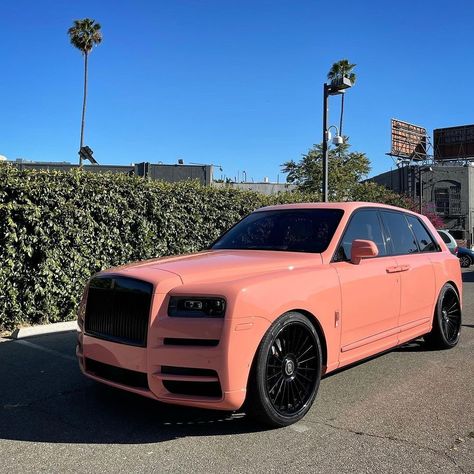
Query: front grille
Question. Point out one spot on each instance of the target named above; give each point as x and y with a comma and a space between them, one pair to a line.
131, 378
118, 309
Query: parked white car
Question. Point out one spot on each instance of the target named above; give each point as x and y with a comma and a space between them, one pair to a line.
449, 240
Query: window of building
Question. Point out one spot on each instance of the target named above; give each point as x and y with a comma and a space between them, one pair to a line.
448, 200
442, 200
454, 200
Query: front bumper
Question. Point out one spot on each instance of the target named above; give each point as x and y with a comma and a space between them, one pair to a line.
195, 362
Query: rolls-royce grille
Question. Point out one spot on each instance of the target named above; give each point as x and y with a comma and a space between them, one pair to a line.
118, 309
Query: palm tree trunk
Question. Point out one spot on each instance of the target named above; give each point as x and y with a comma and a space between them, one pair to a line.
84, 105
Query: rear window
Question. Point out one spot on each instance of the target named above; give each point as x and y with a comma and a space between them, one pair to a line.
425, 241
295, 230
399, 236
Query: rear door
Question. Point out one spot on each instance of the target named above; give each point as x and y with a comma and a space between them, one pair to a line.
410, 243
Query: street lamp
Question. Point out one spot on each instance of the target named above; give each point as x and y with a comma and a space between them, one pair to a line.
338, 139
336, 87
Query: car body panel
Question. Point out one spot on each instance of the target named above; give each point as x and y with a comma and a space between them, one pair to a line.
358, 310
418, 291
362, 317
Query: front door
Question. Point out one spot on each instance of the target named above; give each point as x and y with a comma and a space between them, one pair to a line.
370, 291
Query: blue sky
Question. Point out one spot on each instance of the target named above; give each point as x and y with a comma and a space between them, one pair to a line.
231, 82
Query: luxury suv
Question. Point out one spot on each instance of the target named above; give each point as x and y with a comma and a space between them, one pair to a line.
287, 295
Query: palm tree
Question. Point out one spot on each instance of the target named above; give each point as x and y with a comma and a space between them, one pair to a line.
84, 35
342, 68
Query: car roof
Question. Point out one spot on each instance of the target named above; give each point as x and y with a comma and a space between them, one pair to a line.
345, 206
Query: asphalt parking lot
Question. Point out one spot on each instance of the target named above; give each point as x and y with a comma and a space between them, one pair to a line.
409, 410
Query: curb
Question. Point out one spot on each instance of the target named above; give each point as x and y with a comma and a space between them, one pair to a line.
31, 331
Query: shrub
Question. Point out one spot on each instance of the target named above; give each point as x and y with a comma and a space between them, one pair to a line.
57, 229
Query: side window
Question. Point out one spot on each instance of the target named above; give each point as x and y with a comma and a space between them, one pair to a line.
425, 241
399, 236
445, 238
363, 225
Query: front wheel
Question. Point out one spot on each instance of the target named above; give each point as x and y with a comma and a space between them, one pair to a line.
286, 372
465, 261
447, 320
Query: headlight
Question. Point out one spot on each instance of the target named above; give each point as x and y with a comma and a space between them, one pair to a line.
196, 307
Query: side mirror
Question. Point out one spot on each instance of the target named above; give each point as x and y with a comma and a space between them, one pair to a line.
363, 249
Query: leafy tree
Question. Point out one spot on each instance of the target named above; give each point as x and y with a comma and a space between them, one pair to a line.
342, 68
368, 191
84, 35
346, 170
429, 211
373, 192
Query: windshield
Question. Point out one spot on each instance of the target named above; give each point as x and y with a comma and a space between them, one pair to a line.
298, 230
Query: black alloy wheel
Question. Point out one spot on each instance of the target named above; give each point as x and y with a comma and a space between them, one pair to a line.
447, 320
465, 261
286, 372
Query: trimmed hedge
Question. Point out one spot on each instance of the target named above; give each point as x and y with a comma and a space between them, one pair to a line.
57, 229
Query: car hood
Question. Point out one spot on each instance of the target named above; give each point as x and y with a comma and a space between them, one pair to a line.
219, 265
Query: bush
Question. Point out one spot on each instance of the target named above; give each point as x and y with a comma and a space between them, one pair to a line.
57, 229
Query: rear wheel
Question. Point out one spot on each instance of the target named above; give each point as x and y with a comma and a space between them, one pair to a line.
447, 320
286, 372
465, 261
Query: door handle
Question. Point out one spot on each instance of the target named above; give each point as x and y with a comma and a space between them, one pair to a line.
398, 268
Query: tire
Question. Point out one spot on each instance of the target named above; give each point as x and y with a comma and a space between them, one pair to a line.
465, 261
286, 372
446, 320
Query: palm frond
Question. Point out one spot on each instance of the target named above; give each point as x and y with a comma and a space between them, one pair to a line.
85, 34
340, 69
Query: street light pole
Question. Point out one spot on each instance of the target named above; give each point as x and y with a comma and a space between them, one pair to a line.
325, 196
334, 88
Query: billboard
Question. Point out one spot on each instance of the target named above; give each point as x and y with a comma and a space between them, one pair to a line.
409, 141
454, 143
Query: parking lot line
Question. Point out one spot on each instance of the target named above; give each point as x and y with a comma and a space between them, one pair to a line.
45, 349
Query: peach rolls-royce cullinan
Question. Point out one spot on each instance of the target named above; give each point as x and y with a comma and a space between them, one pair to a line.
287, 295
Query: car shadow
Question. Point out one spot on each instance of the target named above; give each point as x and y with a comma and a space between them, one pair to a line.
418, 345
468, 276
45, 398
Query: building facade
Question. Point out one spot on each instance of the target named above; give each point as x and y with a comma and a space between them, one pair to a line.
163, 172
447, 189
